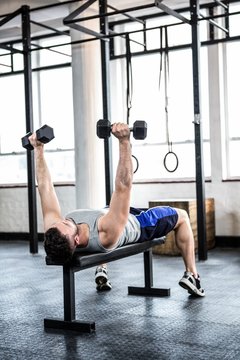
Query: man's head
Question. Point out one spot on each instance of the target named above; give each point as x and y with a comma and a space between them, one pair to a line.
61, 240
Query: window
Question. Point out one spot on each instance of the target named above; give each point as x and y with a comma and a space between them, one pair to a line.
148, 103
57, 111
232, 75
53, 51
12, 126
52, 105
5, 61
233, 128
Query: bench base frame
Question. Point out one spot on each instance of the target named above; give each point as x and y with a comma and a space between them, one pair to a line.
74, 325
70, 323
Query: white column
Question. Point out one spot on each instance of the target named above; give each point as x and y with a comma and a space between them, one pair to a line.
215, 112
87, 103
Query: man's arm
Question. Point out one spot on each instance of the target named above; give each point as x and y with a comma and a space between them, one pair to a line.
112, 224
49, 202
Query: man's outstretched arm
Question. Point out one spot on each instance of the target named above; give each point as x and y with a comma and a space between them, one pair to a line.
112, 224
49, 202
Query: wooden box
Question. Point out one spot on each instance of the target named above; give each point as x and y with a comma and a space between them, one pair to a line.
190, 205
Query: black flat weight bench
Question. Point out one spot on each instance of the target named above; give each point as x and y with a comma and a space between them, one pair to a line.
81, 261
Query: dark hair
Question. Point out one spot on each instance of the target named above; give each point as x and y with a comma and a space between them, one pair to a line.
57, 246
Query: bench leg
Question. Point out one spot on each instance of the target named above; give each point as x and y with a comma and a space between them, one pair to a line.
148, 290
69, 321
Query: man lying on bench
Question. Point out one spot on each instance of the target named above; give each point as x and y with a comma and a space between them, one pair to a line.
107, 229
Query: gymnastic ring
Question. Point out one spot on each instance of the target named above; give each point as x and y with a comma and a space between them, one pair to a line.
137, 164
165, 161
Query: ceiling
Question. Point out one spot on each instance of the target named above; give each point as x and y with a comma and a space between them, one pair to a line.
7, 6
53, 16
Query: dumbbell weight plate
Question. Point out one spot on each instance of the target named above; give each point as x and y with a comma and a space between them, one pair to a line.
139, 130
103, 129
26, 143
45, 134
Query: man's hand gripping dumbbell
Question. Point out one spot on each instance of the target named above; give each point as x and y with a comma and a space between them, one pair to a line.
44, 135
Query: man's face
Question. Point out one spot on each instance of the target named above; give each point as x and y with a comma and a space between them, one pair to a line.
68, 228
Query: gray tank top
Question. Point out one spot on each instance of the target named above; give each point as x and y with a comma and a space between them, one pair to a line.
131, 232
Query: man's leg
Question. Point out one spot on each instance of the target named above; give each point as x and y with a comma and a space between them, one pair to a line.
185, 243
101, 278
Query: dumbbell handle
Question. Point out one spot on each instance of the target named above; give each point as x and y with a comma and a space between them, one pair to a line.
130, 128
139, 129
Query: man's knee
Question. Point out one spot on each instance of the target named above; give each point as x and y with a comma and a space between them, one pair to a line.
182, 217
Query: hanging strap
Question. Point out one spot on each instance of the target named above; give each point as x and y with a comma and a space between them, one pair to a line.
161, 55
129, 77
130, 88
166, 82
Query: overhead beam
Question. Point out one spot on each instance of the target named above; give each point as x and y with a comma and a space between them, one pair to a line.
85, 30
127, 15
59, 32
214, 23
79, 10
108, 14
9, 17
71, 21
221, 4
169, 11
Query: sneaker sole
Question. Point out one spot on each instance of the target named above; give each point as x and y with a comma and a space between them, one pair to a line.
187, 285
104, 287
101, 279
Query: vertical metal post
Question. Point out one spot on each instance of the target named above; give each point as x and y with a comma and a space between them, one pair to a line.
200, 181
32, 203
68, 293
210, 25
148, 268
226, 11
106, 100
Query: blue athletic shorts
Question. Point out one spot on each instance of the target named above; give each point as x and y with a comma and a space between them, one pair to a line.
155, 222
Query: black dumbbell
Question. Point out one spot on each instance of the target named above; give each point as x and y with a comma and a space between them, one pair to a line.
44, 134
139, 129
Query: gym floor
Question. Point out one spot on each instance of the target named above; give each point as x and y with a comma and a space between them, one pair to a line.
127, 327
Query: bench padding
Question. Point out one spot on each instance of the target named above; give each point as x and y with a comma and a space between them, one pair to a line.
83, 260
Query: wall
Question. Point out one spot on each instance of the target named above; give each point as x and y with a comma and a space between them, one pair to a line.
14, 208
14, 213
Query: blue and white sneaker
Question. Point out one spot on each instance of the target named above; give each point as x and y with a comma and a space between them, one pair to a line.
101, 279
192, 284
